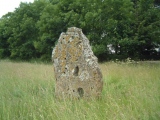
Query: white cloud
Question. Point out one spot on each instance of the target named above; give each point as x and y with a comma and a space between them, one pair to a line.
10, 5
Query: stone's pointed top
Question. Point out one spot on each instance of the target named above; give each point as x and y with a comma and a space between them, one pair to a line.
74, 29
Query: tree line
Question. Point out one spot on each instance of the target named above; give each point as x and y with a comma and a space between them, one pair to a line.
132, 27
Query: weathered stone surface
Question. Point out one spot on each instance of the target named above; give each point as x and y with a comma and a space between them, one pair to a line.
76, 68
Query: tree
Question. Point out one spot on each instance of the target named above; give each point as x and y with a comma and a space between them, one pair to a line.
110, 23
23, 31
146, 26
32, 30
56, 17
50, 26
4, 35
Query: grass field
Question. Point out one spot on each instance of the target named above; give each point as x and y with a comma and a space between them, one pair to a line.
130, 92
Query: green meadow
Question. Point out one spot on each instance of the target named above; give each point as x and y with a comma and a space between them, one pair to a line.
131, 91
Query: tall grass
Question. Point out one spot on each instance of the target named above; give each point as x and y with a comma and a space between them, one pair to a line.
130, 92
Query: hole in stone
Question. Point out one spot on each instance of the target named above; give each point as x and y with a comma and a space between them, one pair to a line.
92, 88
80, 92
76, 70
73, 90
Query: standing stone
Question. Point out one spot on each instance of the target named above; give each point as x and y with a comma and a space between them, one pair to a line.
76, 69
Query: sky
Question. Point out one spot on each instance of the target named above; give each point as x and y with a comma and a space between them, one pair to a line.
10, 5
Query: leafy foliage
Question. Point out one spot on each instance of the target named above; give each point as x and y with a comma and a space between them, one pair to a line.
32, 30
